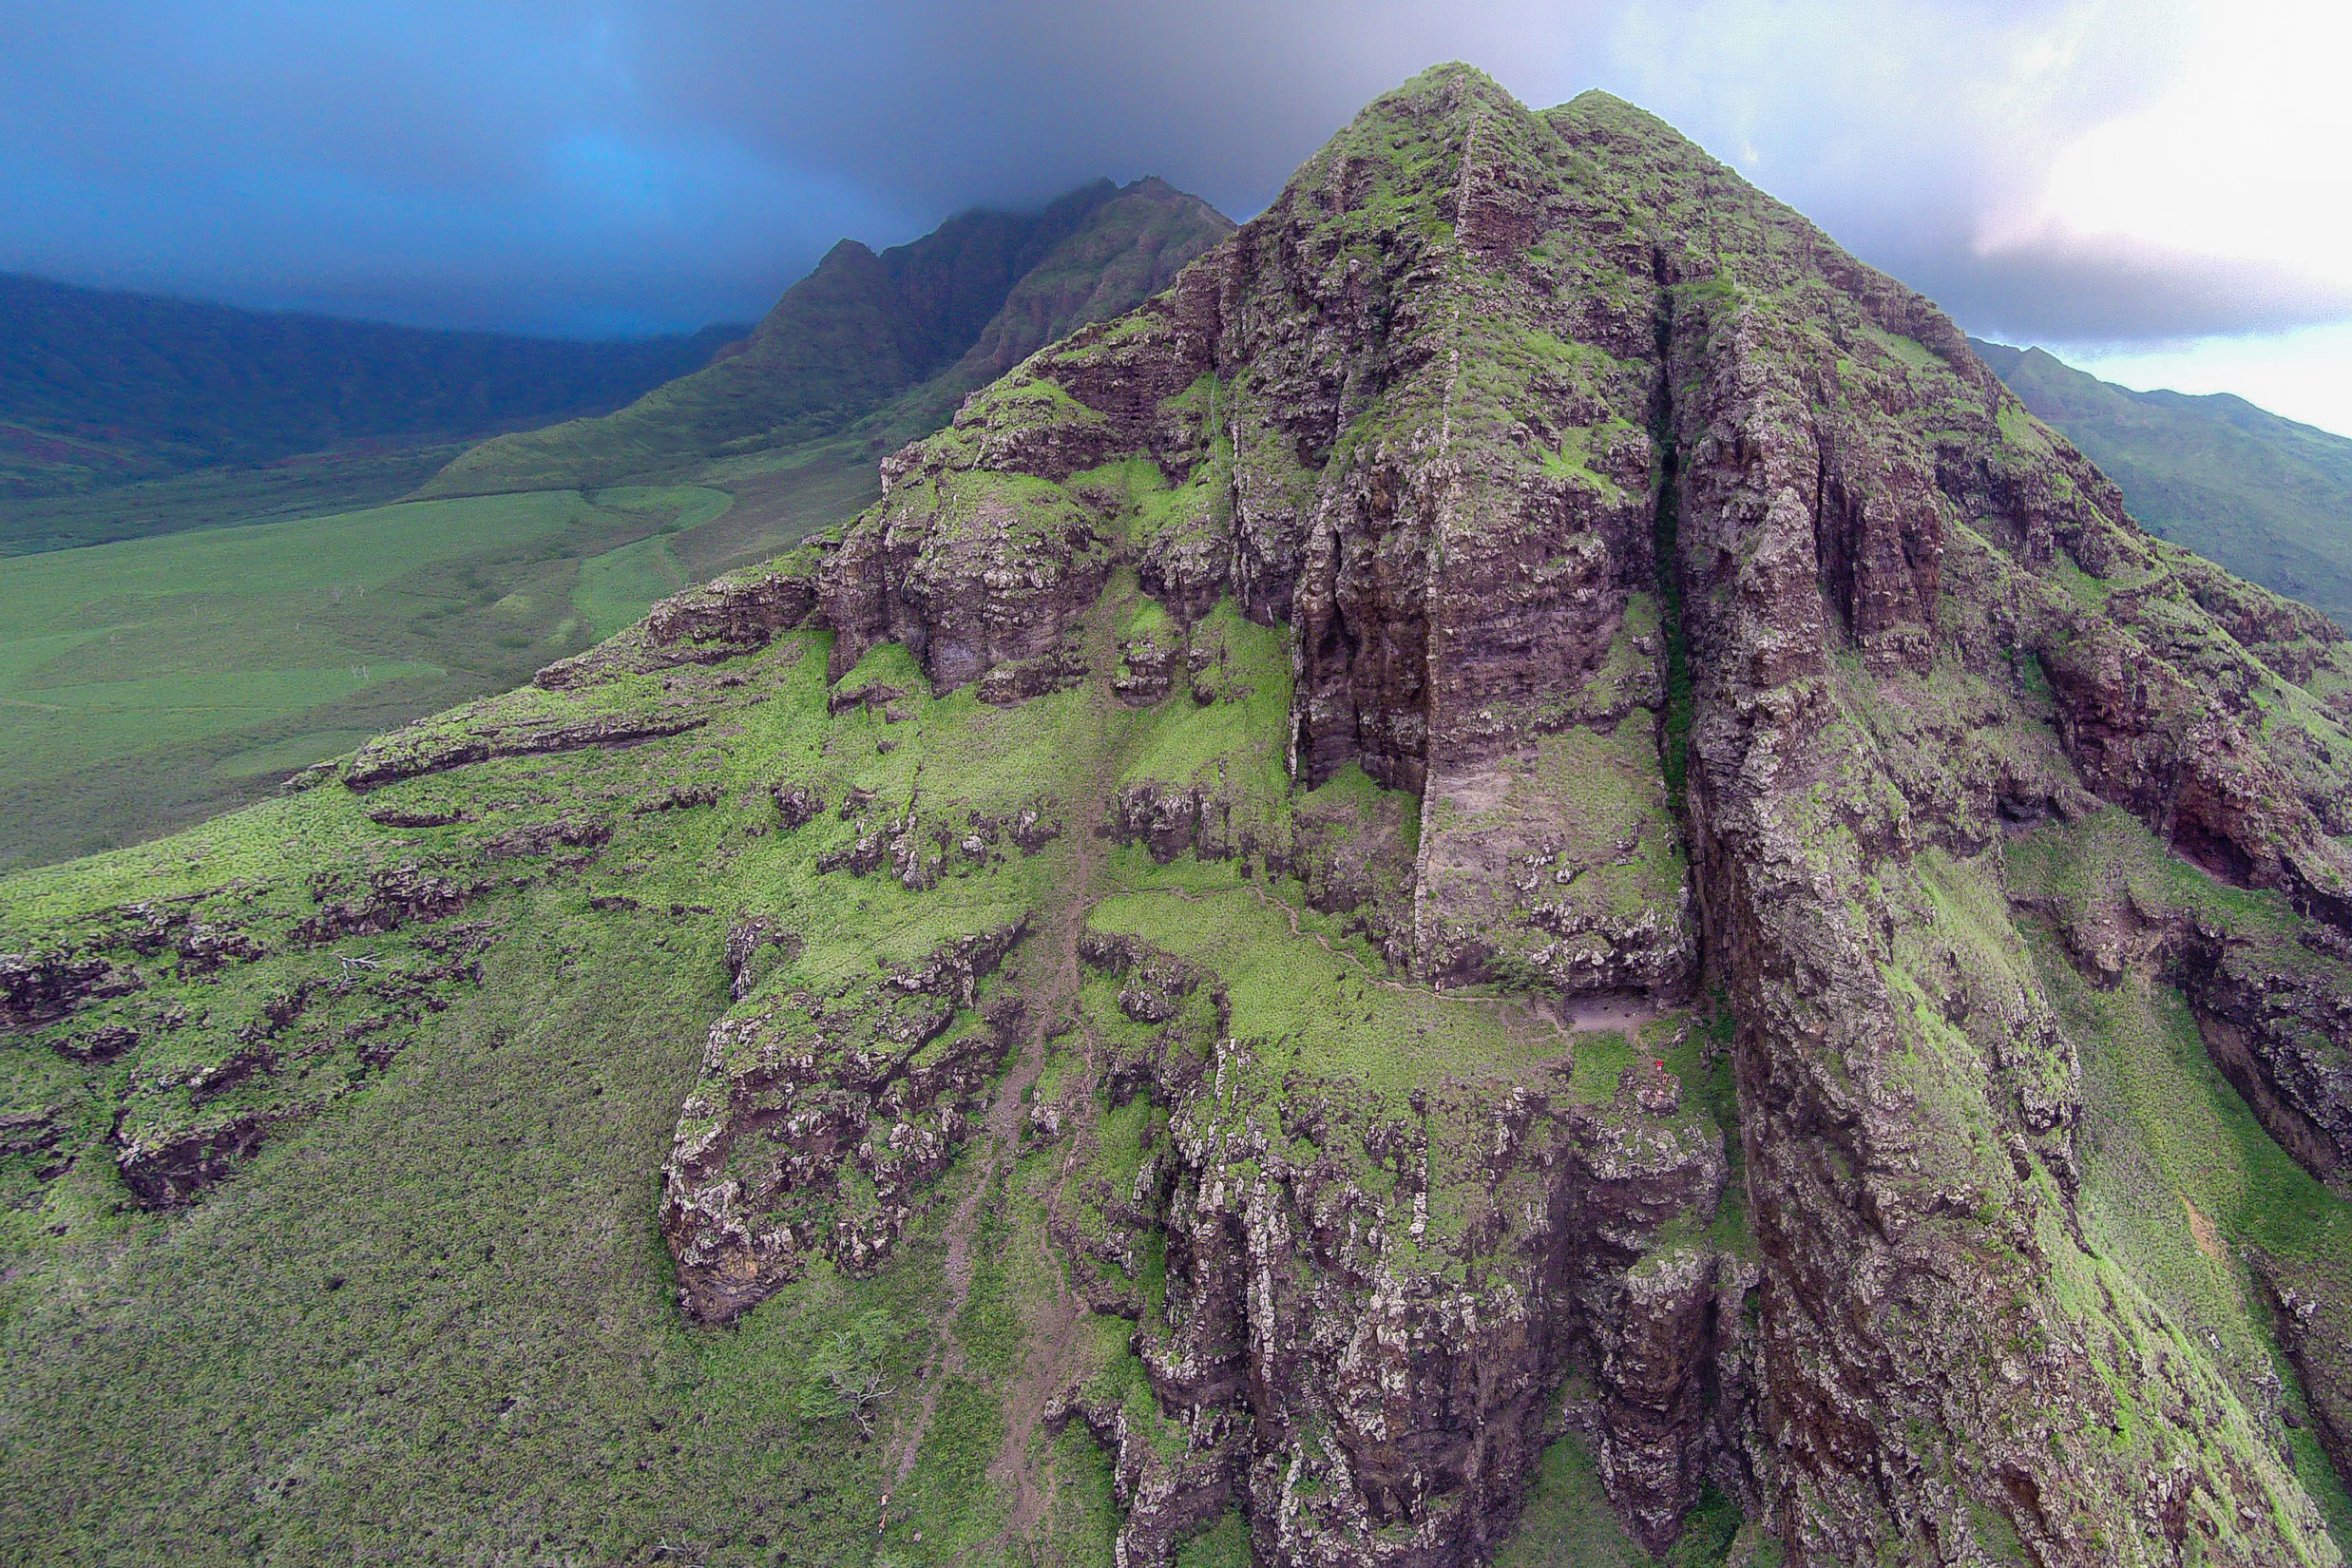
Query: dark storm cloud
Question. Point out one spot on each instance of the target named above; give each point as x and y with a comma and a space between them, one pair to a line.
2104, 292
486, 163
577, 166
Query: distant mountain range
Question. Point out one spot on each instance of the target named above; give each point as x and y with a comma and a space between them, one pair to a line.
100, 388
2265, 497
886, 344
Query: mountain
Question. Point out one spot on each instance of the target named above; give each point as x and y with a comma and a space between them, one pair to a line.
2265, 497
168, 679
1523, 876
100, 388
897, 339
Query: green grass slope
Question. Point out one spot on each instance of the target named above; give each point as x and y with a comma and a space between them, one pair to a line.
429, 1316
2266, 497
100, 388
148, 683
2181, 1182
927, 323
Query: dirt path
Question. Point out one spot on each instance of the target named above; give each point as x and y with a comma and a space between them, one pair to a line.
1002, 1127
1056, 1345
1058, 1333
1057, 1330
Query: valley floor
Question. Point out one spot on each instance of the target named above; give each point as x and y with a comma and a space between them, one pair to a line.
156, 680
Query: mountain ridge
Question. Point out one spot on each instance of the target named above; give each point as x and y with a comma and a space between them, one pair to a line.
918, 325
99, 386
1836, 951
2266, 496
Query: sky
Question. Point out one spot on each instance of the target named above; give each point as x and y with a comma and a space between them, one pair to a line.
2154, 190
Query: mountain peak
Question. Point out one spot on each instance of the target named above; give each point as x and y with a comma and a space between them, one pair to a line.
1454, 86
1527, 808
895, 339
846, 252
1518, 427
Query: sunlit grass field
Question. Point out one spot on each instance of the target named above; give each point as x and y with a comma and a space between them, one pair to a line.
151, 681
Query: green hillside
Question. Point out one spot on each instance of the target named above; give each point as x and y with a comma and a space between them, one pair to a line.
888, 344
100, 388
2266, 497
153, 681
306, 485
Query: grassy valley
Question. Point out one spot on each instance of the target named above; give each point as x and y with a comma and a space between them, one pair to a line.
154, 680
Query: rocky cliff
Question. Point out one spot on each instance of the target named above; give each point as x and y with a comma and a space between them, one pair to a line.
1529, 817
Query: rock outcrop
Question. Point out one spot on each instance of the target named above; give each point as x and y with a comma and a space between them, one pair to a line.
881, 1078
1367, 1316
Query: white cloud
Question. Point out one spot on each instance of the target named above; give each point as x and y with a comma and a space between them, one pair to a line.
2241, 159
1869, 116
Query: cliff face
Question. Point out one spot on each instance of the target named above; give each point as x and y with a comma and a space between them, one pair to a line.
1528, 810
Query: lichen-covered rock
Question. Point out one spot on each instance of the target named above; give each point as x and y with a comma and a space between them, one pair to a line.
754, 945
1365, 1313
169, 1171
796, 805
38, 988
709, 624
532, 838
972, 570
394, 897
409, 752
2280, 1027
236, 1024
1147, 668
2313, 1309
610, 697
